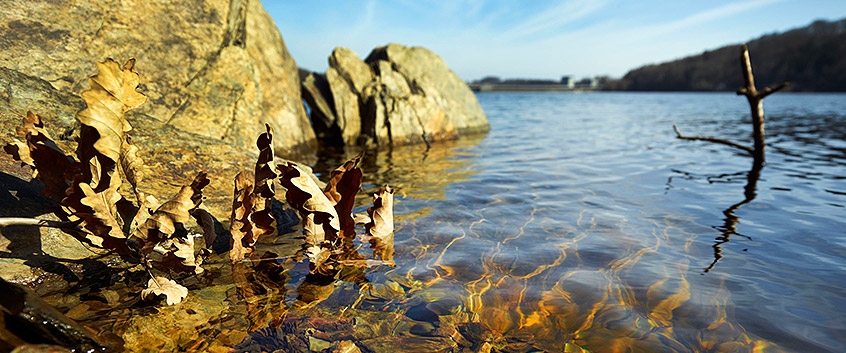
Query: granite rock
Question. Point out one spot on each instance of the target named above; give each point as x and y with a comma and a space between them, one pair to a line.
218, 68
398, 95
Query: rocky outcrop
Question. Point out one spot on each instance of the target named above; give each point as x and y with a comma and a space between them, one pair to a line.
398, 95
218, 68
317, 95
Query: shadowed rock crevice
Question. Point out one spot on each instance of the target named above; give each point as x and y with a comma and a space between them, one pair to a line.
398, 95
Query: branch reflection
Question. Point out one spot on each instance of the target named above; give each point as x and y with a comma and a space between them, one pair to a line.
729, 226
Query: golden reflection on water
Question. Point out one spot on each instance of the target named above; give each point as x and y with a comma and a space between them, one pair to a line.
560, 303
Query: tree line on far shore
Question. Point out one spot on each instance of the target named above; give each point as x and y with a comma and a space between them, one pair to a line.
810, 57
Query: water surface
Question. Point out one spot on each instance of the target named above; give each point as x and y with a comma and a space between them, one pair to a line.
581, 219
578, 223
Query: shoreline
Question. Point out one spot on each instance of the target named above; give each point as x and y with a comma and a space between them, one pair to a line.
504, 87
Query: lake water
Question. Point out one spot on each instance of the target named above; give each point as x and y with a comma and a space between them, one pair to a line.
579, 223
580, 220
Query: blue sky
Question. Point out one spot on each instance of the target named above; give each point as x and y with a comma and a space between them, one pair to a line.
537, 39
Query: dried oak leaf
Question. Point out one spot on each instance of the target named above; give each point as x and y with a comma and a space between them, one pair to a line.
96, 204
239, 223
49, 163
102, 143
343, 185
381, 225
173, 292
320, 220
251, 217
179, 255
206, 221
111, 94
132, 165
147, 205
381, 214
162, 224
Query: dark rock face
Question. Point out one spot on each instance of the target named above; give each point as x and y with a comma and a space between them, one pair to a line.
316, 93
218, 68
398, 95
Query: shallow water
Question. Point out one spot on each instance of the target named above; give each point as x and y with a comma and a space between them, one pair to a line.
580, 218
578, 222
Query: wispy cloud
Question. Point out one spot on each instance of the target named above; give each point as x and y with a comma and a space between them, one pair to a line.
366, 18
651, 31
554, 18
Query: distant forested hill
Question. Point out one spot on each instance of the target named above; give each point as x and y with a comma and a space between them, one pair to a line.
811, 58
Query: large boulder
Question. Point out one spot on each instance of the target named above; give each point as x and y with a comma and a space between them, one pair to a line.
429, 76
218, 68
398, 95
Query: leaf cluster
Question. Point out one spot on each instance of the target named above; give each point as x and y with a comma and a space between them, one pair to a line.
86, 184
326, 214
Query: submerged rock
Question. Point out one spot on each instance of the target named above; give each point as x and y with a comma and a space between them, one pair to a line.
25, 318
218, 68
398, 95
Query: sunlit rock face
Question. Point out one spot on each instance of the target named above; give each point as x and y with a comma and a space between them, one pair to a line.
398, 95
218, 68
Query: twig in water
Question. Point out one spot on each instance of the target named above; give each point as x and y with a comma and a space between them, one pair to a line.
19, 221
713, 139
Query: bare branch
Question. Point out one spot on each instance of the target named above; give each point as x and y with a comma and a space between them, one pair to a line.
746, 71
769, 90
712, 139
17, 221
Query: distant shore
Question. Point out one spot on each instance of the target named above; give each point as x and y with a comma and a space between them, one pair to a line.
507, 87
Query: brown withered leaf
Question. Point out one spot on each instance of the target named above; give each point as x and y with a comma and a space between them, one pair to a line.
239, 223
381, 214
173, 292
206, 221
304, 196
320, 220
251, 217
147, 205
179, 255
343, 185
132, 165
381, 226
38, 150
94, 191
262, 222
20, 152
162, 223
111, 94
96, 205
